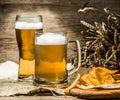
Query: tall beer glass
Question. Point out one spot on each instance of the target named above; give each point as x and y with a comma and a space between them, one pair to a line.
51, 59
26, 27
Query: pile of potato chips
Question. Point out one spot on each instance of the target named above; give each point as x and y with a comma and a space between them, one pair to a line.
100, 75
96, 76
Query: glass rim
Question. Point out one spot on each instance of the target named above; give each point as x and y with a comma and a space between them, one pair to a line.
55, 32
28, 16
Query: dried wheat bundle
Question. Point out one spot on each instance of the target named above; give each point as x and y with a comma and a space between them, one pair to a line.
103, 45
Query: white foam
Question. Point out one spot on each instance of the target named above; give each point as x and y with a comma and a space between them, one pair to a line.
28, 25
51, 39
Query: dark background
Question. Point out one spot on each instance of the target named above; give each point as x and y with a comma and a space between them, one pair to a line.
58, 15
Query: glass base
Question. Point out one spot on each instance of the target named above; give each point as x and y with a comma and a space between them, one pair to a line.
50, 84
25, 78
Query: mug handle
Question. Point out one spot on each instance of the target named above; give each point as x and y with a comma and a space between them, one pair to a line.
73, 69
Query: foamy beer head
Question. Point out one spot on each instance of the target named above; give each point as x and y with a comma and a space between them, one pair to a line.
51, 39
28, 22
28, 25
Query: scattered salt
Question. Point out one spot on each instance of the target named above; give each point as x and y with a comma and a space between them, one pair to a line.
8, 70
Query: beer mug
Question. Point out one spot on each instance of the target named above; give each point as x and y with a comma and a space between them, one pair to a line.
51, 60
26, 27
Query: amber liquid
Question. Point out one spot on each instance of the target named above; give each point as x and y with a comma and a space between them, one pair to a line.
50, 66
26, 44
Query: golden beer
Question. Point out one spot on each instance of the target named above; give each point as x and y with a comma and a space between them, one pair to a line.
25, 35
50, 59
26, 44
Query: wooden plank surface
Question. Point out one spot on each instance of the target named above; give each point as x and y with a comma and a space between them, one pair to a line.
96, 93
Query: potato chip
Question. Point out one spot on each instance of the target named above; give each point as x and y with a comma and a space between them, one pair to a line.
117, 81
116, 76
107, 70
92, 77
104, 76
92, 72
93, 80
85, 80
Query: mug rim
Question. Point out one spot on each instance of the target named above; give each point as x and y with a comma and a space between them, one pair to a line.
55, 32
